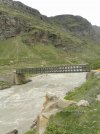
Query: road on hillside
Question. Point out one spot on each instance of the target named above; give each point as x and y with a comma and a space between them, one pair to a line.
20, 105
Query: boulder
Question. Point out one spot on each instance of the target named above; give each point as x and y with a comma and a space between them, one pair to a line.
15, 131
83, 103
98, 97
51, 97
62, 103
34, 124
52, 105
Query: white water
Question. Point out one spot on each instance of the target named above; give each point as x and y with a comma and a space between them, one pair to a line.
20, 105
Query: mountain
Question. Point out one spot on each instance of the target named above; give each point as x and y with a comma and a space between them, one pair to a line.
28, 38
20, 6
76, 24
16, 20
97, 31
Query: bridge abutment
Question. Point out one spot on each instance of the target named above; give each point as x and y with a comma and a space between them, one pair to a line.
19, 78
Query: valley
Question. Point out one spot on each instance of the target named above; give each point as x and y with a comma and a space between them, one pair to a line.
29, 39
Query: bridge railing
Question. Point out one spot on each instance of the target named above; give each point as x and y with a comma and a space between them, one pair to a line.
58, 69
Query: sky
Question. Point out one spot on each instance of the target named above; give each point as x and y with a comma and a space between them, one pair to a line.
89, 9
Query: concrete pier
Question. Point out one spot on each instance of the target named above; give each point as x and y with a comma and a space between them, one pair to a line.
19, 78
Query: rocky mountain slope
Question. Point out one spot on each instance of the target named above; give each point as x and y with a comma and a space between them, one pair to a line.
76, 24
12, 21
20, 6
97, 31
67, 37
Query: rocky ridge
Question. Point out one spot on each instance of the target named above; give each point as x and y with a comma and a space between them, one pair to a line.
14, 25
68, 32
20, 6
76, 24
11, 26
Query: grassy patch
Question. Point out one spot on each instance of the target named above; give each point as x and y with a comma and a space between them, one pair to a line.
14, 53
87, 91
4, 84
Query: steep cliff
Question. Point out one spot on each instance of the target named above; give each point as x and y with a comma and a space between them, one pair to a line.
11, 26
16, 18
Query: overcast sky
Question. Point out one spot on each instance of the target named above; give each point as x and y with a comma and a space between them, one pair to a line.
89, 9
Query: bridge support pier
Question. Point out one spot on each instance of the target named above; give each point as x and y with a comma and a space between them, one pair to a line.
89, 75
19, 78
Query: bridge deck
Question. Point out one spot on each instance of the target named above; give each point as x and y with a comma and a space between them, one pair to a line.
59, 69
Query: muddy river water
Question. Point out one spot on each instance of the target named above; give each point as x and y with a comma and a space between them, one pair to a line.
20, 105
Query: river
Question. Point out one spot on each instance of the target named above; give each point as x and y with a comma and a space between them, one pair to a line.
20, 105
